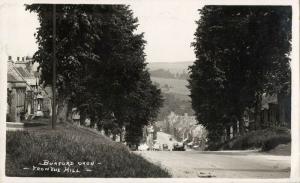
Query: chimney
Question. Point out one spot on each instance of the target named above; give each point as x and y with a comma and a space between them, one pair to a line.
23, 59
9, 58
18, 59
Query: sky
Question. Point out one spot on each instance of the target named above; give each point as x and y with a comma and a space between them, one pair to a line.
168, 28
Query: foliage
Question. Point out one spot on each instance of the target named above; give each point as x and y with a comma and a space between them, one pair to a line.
271, 143
141, 108
183, 75
242, 52
266, 139
27, 149
101, 63
162, 73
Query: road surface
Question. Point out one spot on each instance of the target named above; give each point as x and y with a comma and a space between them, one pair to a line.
219, 164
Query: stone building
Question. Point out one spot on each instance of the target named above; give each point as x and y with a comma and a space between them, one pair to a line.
275, 111
16, 89
25, 98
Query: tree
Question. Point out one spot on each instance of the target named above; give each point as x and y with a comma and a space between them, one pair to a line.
242, 52
142, 107
101, 63
76, 36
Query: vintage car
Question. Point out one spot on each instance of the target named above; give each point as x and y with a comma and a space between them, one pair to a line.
143, 147
178, 147
156, 147
165, 147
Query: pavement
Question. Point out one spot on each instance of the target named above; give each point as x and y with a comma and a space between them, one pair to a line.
219, 164
39, 123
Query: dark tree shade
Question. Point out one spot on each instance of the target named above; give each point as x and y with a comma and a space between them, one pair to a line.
241, 52
101, 65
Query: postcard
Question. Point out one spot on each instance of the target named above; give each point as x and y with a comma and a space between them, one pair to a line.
150, 91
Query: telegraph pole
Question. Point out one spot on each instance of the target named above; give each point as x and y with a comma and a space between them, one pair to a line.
54, 69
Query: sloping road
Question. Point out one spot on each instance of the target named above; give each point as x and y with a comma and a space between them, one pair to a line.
220, 164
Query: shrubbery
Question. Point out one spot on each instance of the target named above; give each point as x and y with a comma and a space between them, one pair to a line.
266, 139
271, 143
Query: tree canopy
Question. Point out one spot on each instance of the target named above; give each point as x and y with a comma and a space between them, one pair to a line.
241, 52
101, 65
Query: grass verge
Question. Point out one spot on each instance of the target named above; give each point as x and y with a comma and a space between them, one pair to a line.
74, 152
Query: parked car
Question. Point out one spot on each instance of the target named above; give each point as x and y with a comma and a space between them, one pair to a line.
196, 147
165, 147
132, 147
143, 147
178, 147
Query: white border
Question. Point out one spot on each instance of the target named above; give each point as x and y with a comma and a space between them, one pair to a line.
295, 157
295, 128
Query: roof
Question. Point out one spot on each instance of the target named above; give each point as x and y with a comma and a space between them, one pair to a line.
11, 78
24, 72
12, 74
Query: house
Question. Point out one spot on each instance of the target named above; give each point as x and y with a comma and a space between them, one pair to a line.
25, 98
185, 128
275, 111
16, 89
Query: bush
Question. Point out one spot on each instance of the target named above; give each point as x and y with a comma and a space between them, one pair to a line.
271, 143
266, 139
28, 149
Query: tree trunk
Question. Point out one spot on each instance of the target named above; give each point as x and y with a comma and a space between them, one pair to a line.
82, 118
257, 113
93, 121
114, 137
241, 125
62, 110
121, 137
69, 112
106, 131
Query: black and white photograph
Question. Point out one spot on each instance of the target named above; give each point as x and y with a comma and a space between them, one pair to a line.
150, 89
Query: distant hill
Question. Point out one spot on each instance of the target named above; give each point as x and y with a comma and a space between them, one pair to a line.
171, 78
175, 67
169, 85
162, 73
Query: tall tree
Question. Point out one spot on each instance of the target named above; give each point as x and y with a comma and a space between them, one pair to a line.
241, 53
101, 63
